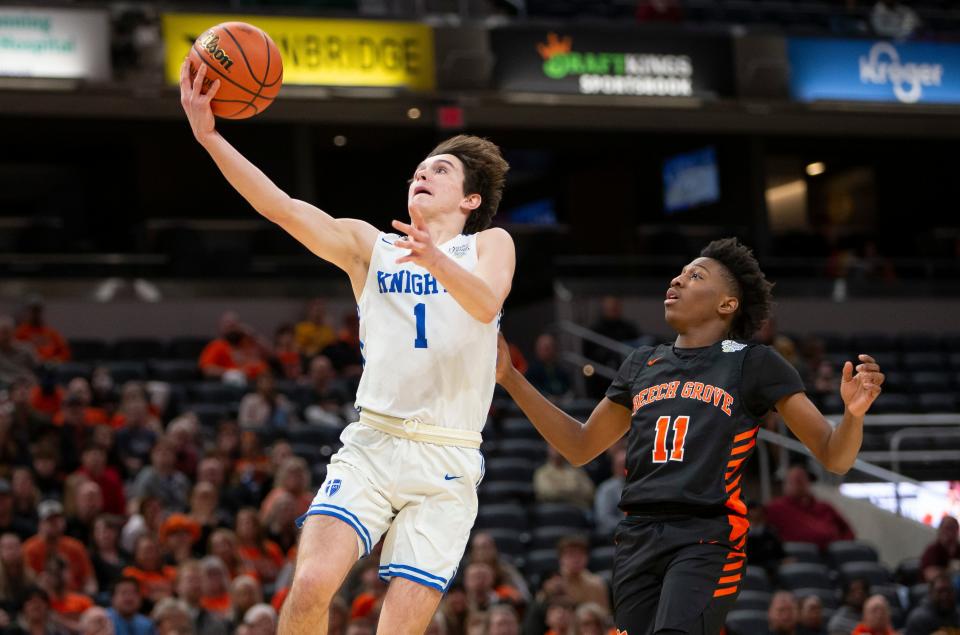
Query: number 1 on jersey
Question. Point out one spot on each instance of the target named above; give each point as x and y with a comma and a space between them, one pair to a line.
420, 312
679, 437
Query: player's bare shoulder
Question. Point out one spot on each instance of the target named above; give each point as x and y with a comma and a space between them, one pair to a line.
496, 240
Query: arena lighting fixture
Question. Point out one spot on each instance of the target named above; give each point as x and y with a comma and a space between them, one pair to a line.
816, 169
339, 141
413, 113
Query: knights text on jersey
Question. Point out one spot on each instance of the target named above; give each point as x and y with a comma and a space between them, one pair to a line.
695, 421
424, 356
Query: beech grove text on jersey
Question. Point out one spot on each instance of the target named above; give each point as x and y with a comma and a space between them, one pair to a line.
691, 390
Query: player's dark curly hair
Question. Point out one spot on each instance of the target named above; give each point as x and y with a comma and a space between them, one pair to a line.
748, 283
484, 173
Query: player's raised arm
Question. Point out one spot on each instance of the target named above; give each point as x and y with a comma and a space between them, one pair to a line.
578, 442
343, 242
836, 448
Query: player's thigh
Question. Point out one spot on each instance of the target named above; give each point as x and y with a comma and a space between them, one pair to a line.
697, 592
327, 550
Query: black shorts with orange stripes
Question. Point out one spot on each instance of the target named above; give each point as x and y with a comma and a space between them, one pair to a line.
677, 573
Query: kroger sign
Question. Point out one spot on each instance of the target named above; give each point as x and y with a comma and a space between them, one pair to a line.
864, 70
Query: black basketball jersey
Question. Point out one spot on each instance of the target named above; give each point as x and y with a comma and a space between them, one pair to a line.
695, 421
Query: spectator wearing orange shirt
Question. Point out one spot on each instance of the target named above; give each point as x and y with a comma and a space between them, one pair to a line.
236, 356
216, 585
190, 581
245, 593
261, 554
77, 400
155, 578
287, 361
47, 342
293, 476
67, 605
224, 545
51, 541
17, 359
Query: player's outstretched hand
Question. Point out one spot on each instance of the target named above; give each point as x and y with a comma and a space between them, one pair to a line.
504, 362
859, 391
196, 103
418, 240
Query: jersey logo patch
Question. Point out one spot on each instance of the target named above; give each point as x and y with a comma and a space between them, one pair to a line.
448, 477
458, 251
729, 346
332, 487
651, 362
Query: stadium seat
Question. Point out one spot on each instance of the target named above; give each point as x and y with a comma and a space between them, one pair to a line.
122, 372
502, 491
918, 593
908, 572
316, 435
510, 469
532, 449
927, 362
502, 516
804, 575
309, 452
746, 622
920, 343
186, 347
518, 428
173, 370
88, 349
540, 562
829, 596
214, 392
752, 601
559, 514
937, 402
897, 380
953, 359
137, 348
842, 551
547, 537
803, 552
601, 558
68, 370
209, 414
872, 343
894, 403
755, 579
874, 572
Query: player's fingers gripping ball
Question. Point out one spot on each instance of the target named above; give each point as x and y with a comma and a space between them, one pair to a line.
247, 63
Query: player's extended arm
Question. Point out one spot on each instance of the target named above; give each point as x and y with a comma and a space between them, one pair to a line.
344, 242
836, 448
481, 292
578, 442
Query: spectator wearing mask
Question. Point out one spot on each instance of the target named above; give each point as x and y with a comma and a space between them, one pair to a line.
557, 481
943, 555
237, 356
938, 612
51, 541
876, 618
124, 611
545, 372
47, 342
798, 516
847, 617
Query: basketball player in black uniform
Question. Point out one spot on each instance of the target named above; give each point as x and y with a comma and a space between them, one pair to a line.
692, 409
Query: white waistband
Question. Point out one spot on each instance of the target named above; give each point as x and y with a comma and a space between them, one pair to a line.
416, 430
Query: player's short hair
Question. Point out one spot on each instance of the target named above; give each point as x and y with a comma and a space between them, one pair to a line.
748, 283
484, 173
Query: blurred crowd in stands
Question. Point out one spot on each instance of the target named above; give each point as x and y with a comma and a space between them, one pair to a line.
142, 495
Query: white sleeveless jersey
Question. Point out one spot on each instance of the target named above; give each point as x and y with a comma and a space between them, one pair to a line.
424, 356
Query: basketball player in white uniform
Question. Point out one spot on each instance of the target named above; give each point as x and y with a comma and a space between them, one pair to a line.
429, 299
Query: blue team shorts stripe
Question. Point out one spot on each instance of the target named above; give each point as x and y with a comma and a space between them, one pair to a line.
414, 570
345, 515
412, 578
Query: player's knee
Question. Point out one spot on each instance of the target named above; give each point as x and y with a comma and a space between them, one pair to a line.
313, 586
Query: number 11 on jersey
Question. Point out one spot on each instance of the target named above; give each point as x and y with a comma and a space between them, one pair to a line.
420, 312
679, 437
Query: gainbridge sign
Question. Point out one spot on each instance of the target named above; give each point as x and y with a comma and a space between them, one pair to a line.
324, 52
611, 61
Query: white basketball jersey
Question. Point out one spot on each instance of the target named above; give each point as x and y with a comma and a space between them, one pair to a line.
424, 356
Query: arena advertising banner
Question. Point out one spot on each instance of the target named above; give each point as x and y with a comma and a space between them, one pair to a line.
54, 43
611, 61
869, 70
324, 52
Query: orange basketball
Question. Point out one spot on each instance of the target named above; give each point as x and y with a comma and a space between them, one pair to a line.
247, 63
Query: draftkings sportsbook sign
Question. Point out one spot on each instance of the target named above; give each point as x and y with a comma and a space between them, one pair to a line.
611, 61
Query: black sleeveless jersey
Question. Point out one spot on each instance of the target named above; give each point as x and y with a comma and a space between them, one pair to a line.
696, 415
